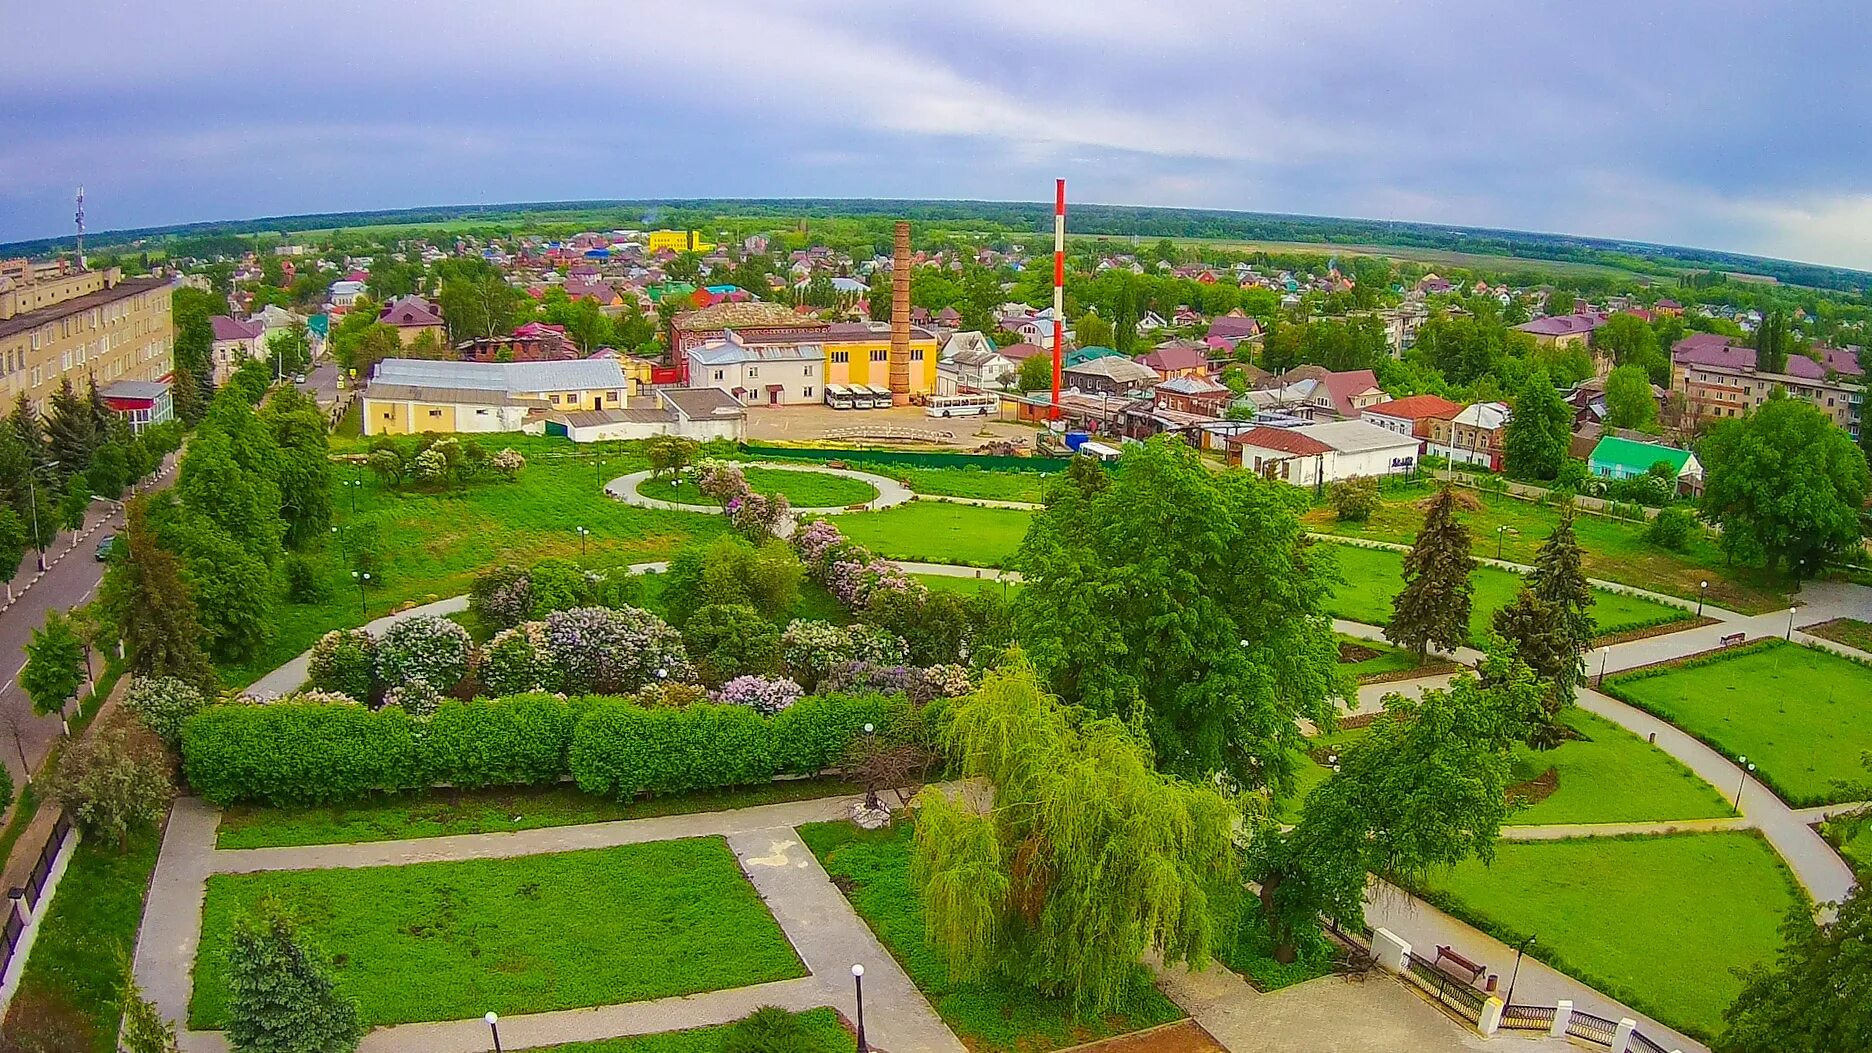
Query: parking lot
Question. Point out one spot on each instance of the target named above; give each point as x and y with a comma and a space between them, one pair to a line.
805, 423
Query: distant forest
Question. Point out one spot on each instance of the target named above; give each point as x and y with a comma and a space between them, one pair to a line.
1020, 218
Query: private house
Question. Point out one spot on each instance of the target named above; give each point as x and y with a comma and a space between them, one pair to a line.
1194, 395
532, 342
1473, 436
972, 340
701, 414
1564, 330
1719, 380
409, 396
411, 317
975, 369
1112, 374
1233, 328
1018, 353
1316, 454
345, 292
1620, 458
1411, 415
788, 374
1176, 359
1316, 393
235, 342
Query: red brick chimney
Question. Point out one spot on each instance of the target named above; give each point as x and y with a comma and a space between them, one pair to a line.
900, 316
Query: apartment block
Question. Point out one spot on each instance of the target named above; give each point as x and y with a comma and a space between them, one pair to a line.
82, 324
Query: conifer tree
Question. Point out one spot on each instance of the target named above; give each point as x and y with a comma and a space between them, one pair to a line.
30, 430
185, 395
145, 597
102, 416
1550, 623
281, 996
71, 434
1434, 606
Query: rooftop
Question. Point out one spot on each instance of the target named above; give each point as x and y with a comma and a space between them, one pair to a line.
577, 374
752, 314
1417, 407
123, 290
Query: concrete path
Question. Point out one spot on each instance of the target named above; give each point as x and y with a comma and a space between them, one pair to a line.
1562, 831
890, 492
825, 932
291, 676
1425, 928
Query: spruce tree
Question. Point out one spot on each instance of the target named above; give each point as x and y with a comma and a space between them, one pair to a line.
281, 996
185, 395
1550, 624
1537, 436
146, 598
1434, 606
29, 430
102, 416
71, 434
1559, 578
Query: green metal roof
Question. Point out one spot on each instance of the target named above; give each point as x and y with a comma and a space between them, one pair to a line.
1637, 457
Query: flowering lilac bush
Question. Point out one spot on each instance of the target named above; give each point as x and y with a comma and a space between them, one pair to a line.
813, 649
872, 644
322, 698
814, 542
415, 696
432, 648
939, 681
721, 480
666, 695
162, 703
758, 516
516, 661
503, 596
848, 570
767, 694
345, 661
508, 463
614, 650
856, 678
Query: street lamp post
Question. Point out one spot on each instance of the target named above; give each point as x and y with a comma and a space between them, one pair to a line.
361, 577
583, 534
1702, 588
32, 499
1499, 531
493, 1023
1516, 975
1790, 628
1747, 770
858, 985
1605, 655
351, 487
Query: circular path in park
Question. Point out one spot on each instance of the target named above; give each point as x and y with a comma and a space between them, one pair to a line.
890, 492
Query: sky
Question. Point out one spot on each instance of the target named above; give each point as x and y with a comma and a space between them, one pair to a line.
1722, 124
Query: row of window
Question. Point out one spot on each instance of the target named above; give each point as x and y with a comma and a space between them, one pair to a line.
842, 357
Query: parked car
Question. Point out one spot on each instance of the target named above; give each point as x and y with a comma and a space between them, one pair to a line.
105, 546
298, 378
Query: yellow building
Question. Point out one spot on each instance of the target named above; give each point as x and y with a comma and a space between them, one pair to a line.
410, 396
859, 353
81, 324
676, 241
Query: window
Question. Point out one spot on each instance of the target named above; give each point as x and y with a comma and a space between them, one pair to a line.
555, 398
718, 374
880, 356
808, 393
435, 413
809, 370
841, 356
753, 371
916, 355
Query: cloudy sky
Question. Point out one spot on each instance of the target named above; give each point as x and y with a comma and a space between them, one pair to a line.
1734, 125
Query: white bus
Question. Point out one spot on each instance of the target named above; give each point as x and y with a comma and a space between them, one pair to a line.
880, 397
838, 396
962, 405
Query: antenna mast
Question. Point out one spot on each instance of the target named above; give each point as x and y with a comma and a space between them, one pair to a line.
80, 218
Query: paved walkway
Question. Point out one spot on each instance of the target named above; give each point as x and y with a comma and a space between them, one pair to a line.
890, 492
817, 919
291, 676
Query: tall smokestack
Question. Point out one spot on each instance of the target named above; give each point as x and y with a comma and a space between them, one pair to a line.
900, 316
1059, 288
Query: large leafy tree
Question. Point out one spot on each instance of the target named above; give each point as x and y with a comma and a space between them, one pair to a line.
281, 997
12, 548
1426, 789
1629, 402
303, 469
1188, 600
1088, 859
193, 348
1534, 444
1433, 608
115, 781
145, 596
55, 664
1785, 485
1816, 997
1630, 341
479, 305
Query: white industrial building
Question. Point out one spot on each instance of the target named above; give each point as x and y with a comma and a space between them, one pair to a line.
1314, 454
766, 375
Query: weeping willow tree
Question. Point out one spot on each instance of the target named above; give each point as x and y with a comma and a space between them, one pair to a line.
1087, 858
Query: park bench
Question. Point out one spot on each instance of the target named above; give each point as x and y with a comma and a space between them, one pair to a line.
1458, 966
1733, 639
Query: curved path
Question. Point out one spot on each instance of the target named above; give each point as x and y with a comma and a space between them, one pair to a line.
890, 492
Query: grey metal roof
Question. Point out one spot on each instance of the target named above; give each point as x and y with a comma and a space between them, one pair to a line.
441, 394
726, 353
134, 389
697, 403
508, 377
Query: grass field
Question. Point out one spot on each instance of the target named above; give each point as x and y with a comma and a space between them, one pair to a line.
438, 813
1656, 922
965, 482
1389, 659
1802, 716
823, 1033
934, 532
1614, 550
92, 924
966, 586
1374, 577
447, 941
1849, 631
991, 1016
802, 489
1435, 257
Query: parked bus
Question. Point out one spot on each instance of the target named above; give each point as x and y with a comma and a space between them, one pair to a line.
874, 397
962, 405
838, 396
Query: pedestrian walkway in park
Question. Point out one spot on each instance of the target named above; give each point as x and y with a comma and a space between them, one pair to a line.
891, 493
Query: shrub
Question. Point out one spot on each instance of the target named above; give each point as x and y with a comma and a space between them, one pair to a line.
813, 733
732, 570
415, 696
620, 749
730, 640
516, 661
523, 740
1672, 528
867, 677
296, 752
163, 703
1355, 499
599, 650
508, 463
619, 588
114, 781
344, 661
768, 1029
939, 681
425, 646
502, 597
304, 584
758, 517
721, 480
672, 695
559, 585
813, 649
767, 695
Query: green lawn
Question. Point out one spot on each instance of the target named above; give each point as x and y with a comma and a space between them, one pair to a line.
1614, 550
802, 489
965, 482
1852, 835
438, 813
1849, 631
92, 923
1802, 716
824, 1033
1388, 659
446, 941
967, 586
1656, 922
935, 532
873, 869
1374, 577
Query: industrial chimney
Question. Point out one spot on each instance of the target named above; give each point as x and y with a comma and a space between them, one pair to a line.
900, 316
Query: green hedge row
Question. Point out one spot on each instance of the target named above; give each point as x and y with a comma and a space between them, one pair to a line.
320, 753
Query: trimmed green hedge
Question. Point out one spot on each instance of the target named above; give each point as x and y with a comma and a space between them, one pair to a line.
323, 753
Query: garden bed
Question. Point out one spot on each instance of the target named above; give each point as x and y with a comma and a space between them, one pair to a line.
824, 1032
1852, 632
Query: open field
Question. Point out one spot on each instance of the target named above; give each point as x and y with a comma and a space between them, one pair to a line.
449, 941
1802, 716
441, 812
1374, 577
824, 1033
934, 532
1417, 254
802, 489
1656, 922
989, 1016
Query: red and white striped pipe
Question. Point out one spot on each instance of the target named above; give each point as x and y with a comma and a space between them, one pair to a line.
1059, 288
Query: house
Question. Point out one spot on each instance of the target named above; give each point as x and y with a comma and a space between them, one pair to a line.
1176, 359
141, 402
235, 342
1074, 356
1194, 395
345, 292
1620, 458
408, 396
973, 340
1473, 436
1112, 374
1316, 392
587, 289
1018, 353
1316, 454
412, 316
1719, 380
980, 370
787, 374
1234, 327
702, 414
1563, 330
1412, 415
948, 318
1150, 323
532, 342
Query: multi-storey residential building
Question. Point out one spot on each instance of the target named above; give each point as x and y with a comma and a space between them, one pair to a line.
87, 325
1719, 380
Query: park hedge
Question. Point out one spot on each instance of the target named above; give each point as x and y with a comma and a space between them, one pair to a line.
324, 753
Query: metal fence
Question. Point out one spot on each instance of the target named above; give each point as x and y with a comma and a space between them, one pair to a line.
48, 855
1450, 992
1641, 1044
908, 458
1592, 1028
21, 901
1527, 1017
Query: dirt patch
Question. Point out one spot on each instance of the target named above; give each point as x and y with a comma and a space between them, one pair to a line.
1184, 1036
1350, 652
1431, 667
1535, 790
1357, 720
1652, 630
1465, 500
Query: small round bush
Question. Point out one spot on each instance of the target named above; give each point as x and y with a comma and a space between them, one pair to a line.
502, 596
344, 661
163, 703
517, 661
425, 646
768, 1029
1672, 529
415, 696
767, 694
598, 649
